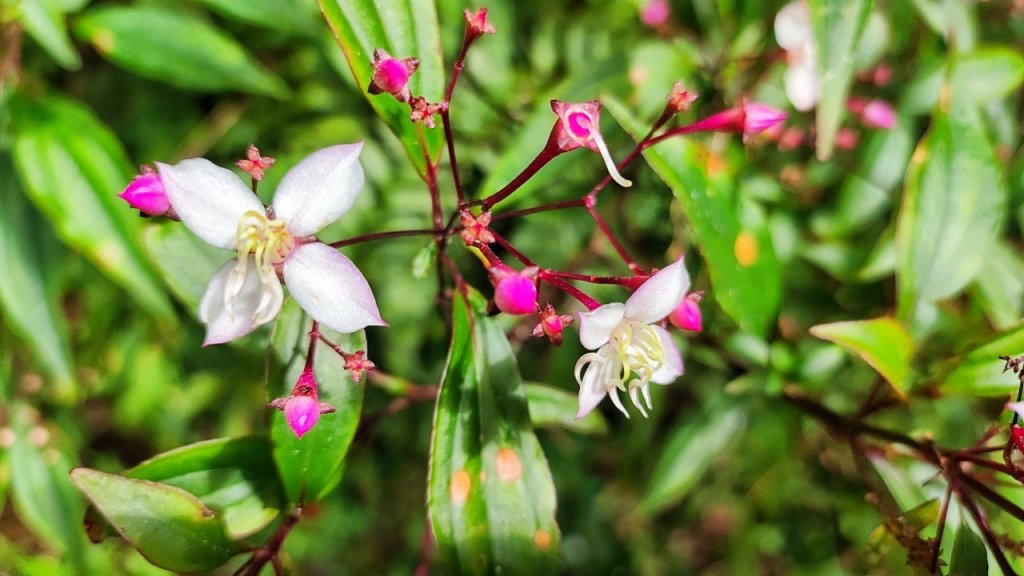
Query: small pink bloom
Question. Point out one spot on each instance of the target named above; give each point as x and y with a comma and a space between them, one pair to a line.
687, 315
578, 126
515, 292
680, 99
477, 24
255, 165
423, 111
551, 325
475, 228
391, 75
847, 138
655, 14
358, 364
146, 194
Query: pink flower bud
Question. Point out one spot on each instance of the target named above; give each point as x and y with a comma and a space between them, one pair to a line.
680, 99
1017, 435
551, 325
847, 138
477, 24
687, 315
301, 413
302, 409
579, 126
391, 75
760, 117
146, 194
515, 292
878, 114
655, 13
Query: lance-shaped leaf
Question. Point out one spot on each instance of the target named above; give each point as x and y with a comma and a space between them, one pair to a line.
969, 555
185, 262
490, 495
170, 527
233, 476
72, 168
837, 26
953, 209
26, 293
44, 20
148, 40
745, 274
310, 467
883, 343
979, 371
553, 407
404, 29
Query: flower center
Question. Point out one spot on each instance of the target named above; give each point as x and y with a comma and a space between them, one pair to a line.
632, 355
268, 243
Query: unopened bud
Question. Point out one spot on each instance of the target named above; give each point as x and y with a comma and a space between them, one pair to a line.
391, 75
302, 409
146, 194
687, 315
515, 292
655, 13
873, 113
760, 117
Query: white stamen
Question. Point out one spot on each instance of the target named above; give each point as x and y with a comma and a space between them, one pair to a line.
608, 162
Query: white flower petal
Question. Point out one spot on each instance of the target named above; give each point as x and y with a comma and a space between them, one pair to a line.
659, 295
319, 189
330, 288
634, 395
673, 366
596, 325
1016, 407
592, 390
802, 85
614, 393
793, 25
210, 200
223, 325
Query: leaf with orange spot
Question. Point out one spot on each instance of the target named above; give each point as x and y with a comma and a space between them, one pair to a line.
490, 495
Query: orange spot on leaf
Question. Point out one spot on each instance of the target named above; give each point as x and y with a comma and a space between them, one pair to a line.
460, 487
746, 249
542, 539
509, 466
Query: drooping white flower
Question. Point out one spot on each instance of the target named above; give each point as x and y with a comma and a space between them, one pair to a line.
794, 34
630, 350
246, 292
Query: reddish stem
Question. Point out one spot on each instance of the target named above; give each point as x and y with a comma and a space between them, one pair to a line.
314, 334
384, 235
512, 250
549, 151
575, 292
631, 282
607, 231
575, 203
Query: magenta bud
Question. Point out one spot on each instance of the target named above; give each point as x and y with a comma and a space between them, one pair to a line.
878, 114
301, 413
515, 292
392, 75
146, 193
760, 117
655, 13
687, 315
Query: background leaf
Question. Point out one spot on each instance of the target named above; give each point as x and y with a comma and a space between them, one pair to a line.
837, 26
883, 343
145, 40
44, 20
490, 496
404, 29
550, 406
72, 168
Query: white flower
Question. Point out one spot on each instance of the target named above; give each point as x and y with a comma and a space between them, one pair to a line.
794, 33
631, 351
246, 292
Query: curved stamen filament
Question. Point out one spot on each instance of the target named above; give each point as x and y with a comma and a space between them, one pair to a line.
267, 243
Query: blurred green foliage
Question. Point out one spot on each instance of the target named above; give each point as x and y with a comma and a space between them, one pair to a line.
910, 236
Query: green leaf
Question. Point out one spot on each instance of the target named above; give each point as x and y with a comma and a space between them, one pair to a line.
404, 29
953, 209
985, 75
291, 16
838, 25
72, 168
310, 467
999, 285
167, 525
44, 22
490, 495
745, 274
552, 407
185, 262
883, 343
954, 20
234, 477
688, 454
44, 499
25, 293
970, 558
980, 372
147, 40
